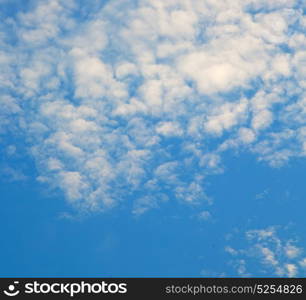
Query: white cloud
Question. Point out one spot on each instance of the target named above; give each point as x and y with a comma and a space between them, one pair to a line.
303, 263
231, 250
126, 69
246, 135
169, 129
54, 164
100, 99
205, 215
74, 183
291, 270
292, 251
226, 116
268, 254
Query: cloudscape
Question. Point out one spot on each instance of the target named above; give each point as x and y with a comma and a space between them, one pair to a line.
153, 138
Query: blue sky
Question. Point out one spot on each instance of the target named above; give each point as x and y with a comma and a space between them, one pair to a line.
152, 138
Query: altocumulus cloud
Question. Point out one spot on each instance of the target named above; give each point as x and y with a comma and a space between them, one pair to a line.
266, 252
123, 99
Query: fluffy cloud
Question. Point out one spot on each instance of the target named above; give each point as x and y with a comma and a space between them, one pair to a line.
267, 253
123, 99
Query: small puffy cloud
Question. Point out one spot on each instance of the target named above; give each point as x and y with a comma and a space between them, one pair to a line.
291, 270
246, 135
192, 193
54, 164
209, 75
81, 125
167, 172
9, 105
303, 263
226, 116
281, 65
231, 250
268, 256
74, 184
262, 119
169, 129
204, 215
292, 251
126, 69
94, 79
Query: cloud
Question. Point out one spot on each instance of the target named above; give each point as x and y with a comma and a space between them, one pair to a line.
110, 98
204, 215
303, 263
267, 253
169, 129
11, 174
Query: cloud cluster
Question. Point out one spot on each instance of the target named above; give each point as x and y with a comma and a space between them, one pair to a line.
122, 100
268, 254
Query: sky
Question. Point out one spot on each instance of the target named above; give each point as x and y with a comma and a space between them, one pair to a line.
152, 138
